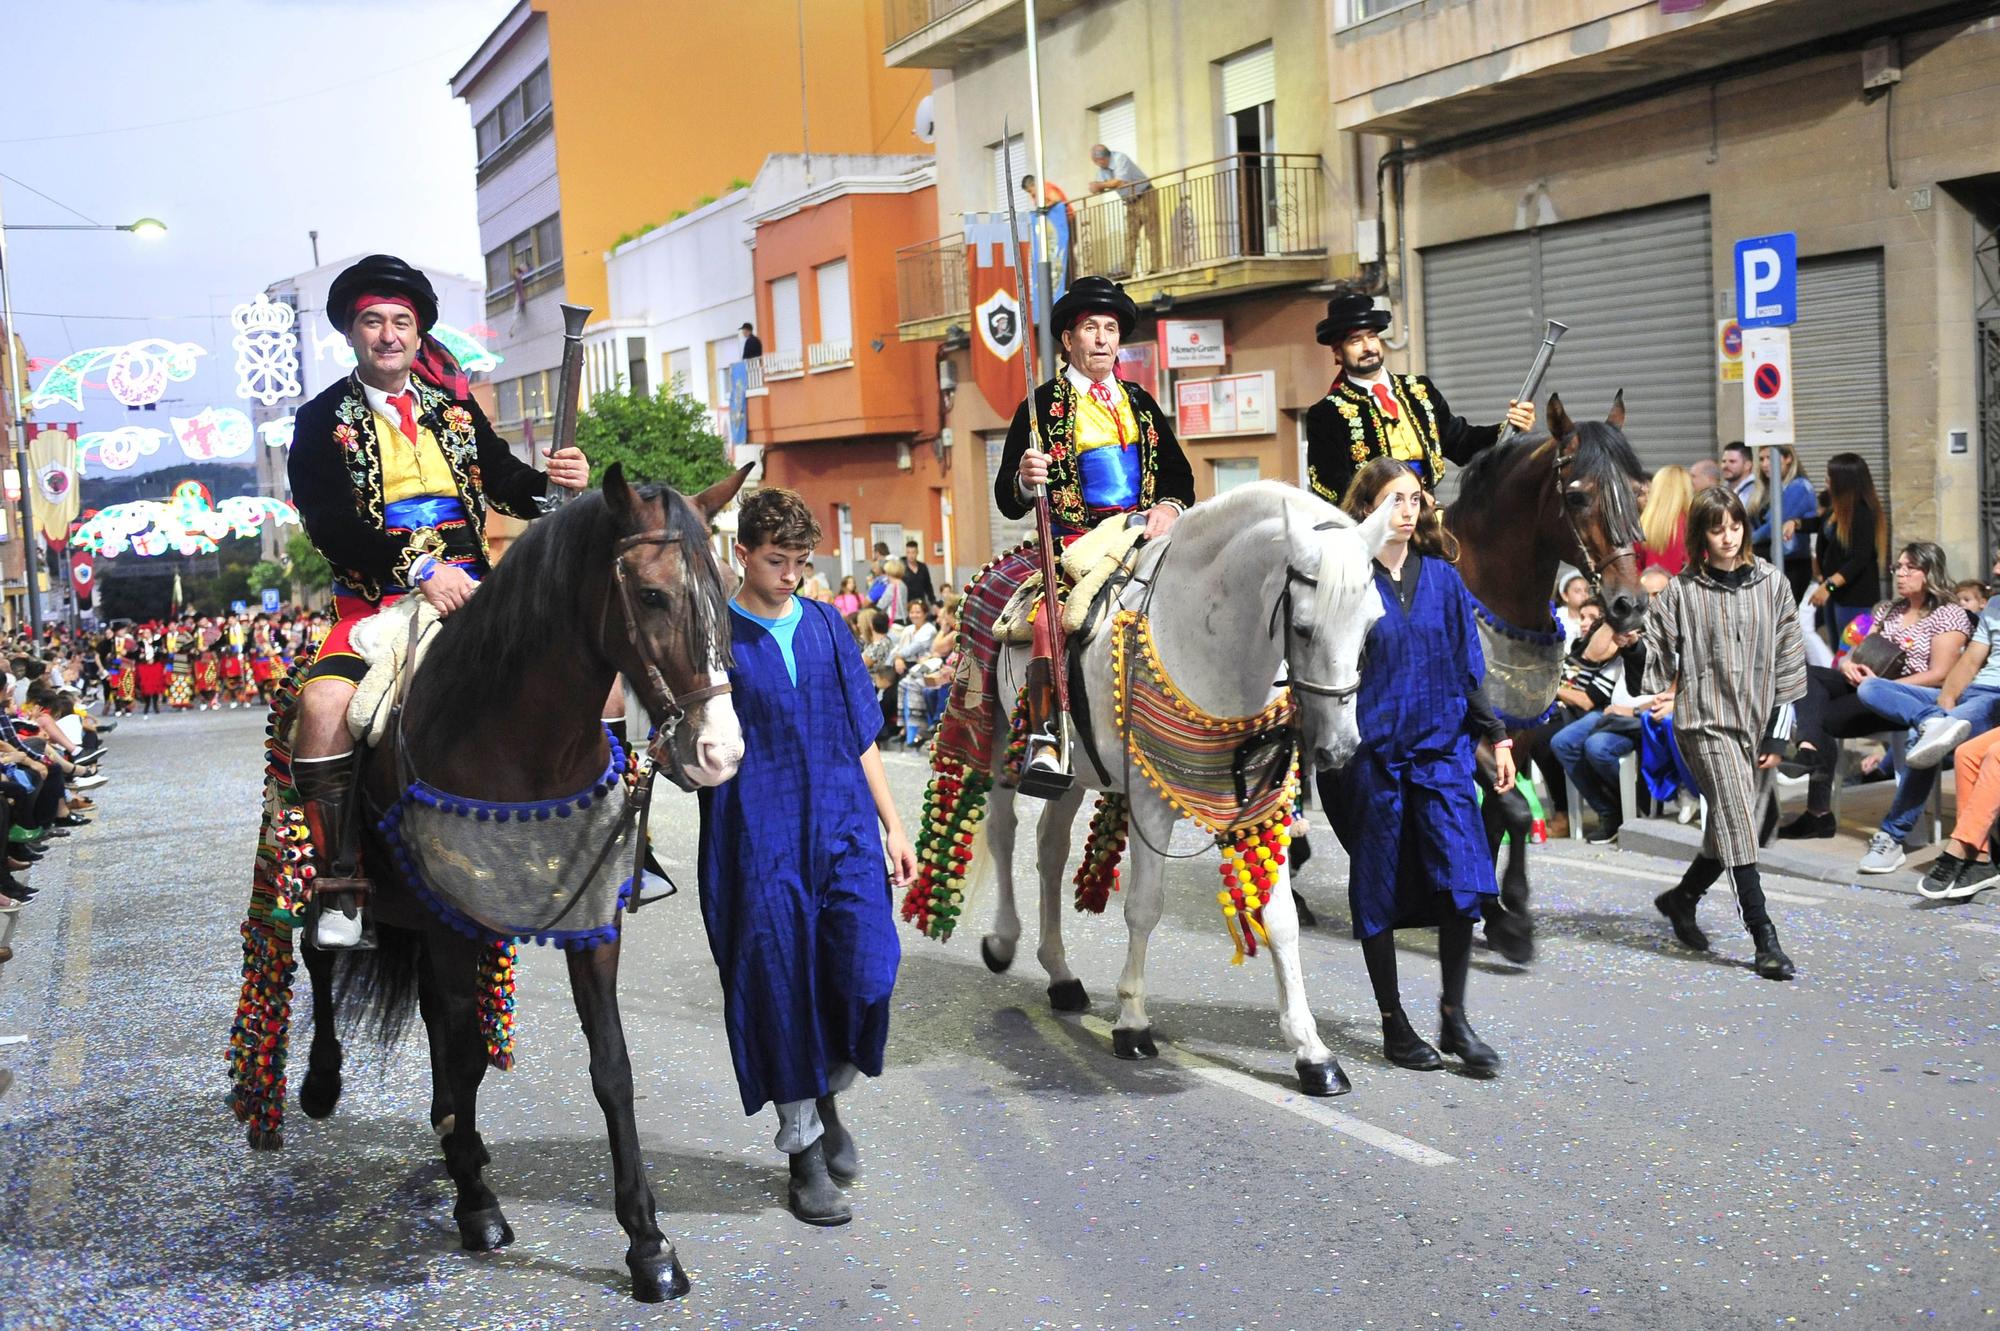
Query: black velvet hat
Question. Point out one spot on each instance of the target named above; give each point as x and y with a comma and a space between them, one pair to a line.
1347, 312
381, 275
1089, 294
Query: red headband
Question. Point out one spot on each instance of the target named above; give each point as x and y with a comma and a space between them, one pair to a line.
434, 364
363, 301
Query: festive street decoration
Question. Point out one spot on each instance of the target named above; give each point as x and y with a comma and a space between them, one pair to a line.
190, 523
119, 449
136, 373
215, 432
267, 350
278, 433
52, 464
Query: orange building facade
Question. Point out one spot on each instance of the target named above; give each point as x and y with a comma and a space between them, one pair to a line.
849, 414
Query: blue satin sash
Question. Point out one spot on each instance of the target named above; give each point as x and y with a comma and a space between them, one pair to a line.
1110, 476
423, 511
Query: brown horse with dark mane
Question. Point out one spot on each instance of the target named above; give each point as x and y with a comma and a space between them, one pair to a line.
501, 745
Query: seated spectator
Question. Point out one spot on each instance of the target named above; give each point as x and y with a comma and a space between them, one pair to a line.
1569, 608
847, 600
1663, 521
1972, 597
1964, 868
1915, 638
1591, 747
1589, 669
920, 692
1966, 703
913, 646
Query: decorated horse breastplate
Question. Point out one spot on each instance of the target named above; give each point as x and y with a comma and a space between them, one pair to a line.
1523, 669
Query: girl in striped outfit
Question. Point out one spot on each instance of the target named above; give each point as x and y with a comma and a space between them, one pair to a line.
1723, 639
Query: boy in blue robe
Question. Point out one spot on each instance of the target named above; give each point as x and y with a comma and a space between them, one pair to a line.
794, 889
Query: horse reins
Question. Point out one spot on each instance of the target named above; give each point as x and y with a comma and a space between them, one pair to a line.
1591, 572
675, 705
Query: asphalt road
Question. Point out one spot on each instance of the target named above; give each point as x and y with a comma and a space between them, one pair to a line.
1674, 1143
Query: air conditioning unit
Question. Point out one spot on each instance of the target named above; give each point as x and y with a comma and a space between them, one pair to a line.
903, 462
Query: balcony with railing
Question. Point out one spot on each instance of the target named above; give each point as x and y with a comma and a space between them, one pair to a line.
938, 34
1249, 220
930, 287
823, 356
780, 365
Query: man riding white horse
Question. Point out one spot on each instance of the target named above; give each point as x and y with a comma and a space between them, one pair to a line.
392, 470
1105, 450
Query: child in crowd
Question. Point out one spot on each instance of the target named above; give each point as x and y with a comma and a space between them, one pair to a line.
1971, 597
1724, 640
793, 887
1569, 611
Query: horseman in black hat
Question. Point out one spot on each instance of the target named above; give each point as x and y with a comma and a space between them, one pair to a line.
392, 470
1105, 450
1369, 413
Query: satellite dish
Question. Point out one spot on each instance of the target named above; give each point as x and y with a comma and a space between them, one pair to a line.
925, 127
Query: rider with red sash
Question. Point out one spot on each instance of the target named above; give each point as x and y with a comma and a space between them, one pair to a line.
392, 470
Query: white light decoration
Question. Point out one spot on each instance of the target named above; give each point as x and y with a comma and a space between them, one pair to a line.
190, 523
216, 432
136, 374
119, 449
278, 433
267, 350
470, 353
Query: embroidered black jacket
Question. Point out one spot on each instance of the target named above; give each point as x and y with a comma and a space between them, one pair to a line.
1345, 432
1163, 468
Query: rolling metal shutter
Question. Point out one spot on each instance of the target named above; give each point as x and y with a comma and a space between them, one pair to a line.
1118, 128
1249, 79
1634, 290
1840, 386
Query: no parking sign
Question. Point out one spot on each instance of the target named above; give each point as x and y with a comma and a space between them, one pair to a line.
1767, 386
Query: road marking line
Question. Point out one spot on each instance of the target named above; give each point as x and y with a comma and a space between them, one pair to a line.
1972, 926
1292, 1103
1655, 876
76, 957
66, 1062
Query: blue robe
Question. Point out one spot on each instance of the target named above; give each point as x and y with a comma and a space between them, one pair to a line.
1405, 808
794, 888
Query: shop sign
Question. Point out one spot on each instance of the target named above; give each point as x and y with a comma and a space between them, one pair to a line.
1230, 404
1193, 344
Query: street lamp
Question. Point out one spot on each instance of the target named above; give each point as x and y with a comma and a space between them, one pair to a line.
17, 424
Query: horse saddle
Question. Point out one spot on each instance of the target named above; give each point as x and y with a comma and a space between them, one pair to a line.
1106, 553
391, 642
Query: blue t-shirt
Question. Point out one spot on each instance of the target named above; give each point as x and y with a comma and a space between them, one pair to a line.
782, 629
1986, 629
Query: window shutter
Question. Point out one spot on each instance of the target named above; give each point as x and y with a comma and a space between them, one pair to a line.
1118, 127
1248, 80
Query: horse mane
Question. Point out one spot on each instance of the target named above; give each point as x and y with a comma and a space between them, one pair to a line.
533, 599
1603, 456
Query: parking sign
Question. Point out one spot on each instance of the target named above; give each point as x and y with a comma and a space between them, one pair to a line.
1767, 281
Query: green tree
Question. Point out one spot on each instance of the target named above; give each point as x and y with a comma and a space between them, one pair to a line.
266, 573
309, 569
666, 437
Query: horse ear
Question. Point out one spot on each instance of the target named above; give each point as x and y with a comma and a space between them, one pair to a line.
1616, 418
1561, 426
618, 495
723, 493
1374, 530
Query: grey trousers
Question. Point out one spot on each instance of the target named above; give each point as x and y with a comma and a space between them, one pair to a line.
798, 1120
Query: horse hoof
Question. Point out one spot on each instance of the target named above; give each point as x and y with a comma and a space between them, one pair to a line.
1134, 1044
320, 1091
1512, 937
1307, 919
1068, 996
997, 953
1322, 1079
262, 1140
483, 1231
658, 1278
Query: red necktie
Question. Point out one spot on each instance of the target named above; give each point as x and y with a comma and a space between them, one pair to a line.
1102, 392
1386, 400
406, 413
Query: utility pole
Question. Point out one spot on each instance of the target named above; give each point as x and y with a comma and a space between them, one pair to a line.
17, 439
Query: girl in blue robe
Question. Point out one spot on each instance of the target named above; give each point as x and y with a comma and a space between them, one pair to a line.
1406, 808
794, 890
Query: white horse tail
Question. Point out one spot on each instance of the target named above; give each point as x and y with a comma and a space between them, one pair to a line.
979, 868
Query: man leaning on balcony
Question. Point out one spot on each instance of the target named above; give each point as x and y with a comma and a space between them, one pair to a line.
1116, 171
1369, 413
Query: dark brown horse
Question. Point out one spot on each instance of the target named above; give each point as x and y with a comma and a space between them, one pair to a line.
1524, 508
506, 708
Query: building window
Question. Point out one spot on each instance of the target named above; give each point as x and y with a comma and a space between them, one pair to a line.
836, 317
1010, 163
1118, 126
507, 395
680, 370
1360, 11
535, 254
521, 109
785, 331
637, 380
1232, 472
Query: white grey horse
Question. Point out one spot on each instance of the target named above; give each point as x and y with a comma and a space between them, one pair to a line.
1264, 582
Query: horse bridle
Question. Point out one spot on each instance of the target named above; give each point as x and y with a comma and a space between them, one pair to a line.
1341, 692
1591, 572
673, 707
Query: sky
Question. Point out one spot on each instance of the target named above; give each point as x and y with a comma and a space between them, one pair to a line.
241, 124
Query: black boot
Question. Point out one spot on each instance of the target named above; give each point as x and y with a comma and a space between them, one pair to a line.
340, 893
815, 1197
1456, 1037
1679, 910
1809, 826
842, 1160
1402, 1045
1771, 963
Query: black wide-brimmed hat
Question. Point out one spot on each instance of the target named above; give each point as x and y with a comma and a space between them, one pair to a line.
1087, 295
1347, 312
381, 275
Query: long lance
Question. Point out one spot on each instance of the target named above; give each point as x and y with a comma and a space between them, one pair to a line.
1543, 354
1044, 523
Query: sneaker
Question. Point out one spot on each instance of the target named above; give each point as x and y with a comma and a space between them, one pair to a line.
1944, 874
91, 782
1606, 831
1936, 738
1884, 855
1976, 879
